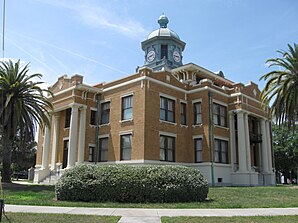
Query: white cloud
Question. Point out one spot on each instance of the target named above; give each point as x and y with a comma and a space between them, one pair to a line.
95, 14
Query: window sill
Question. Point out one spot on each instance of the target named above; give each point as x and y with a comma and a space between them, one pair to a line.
197, 125
126, 120
66, 128
92, 126
222, 127
103, 125
172, 123
183, 126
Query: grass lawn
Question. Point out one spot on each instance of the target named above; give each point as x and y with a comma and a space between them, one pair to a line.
257, 219
220, 197
61, 218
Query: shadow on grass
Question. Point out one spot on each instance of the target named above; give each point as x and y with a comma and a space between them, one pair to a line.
22, 187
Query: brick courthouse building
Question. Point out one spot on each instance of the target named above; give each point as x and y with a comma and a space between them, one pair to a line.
165, 113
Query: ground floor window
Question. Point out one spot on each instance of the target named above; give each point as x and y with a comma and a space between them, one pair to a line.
103, 149
221, 151
91, 154
167, 148
198, 150
126, 147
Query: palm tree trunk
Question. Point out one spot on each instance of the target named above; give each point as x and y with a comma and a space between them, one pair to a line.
7, 141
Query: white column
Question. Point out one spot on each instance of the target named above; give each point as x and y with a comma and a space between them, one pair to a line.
247, 143
73, 132
55, 140
269, 146
232, 141
241, 143
82, 134
264, 147
46, 149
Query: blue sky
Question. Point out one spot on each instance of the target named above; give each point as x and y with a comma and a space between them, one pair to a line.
101, 39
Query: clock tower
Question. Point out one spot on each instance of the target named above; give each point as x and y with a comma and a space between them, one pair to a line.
163, 47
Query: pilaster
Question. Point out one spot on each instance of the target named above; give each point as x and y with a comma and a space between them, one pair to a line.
241, 142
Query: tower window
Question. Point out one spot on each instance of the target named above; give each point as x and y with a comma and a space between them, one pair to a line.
164, 51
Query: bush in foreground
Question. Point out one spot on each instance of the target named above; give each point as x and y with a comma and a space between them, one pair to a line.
122, 183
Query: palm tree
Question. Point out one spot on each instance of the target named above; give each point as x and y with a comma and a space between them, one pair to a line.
282, 87
22, 106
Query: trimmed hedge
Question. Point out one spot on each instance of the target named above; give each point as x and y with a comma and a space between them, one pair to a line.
125, 183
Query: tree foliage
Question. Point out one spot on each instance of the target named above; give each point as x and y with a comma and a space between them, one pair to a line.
285, 146
22, 105
282, 87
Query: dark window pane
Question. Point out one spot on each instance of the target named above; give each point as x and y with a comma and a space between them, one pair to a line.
126, 147
67, 117
127, 108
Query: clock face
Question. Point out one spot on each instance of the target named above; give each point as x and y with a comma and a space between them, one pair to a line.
151, 56
176, 56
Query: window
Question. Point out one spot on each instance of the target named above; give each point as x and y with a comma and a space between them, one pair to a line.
197, 113
167, 148
164, 51
67, 117
91, 154
167, 109
183, 113
105, 113
198, 150
127, 107
103, 149
221, 151
220, 115
93, 117
126, 147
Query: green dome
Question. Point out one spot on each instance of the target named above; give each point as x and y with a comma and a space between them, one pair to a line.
163, 30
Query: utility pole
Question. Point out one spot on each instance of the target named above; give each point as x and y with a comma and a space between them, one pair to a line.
3, 29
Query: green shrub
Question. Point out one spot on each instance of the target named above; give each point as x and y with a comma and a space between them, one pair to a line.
124, 183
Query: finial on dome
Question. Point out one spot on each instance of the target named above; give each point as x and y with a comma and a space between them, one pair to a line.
163, 21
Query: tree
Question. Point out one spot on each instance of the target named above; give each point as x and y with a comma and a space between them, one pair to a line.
285, 147
282, 87
23, 105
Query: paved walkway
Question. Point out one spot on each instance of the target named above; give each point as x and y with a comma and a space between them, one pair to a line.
142, 215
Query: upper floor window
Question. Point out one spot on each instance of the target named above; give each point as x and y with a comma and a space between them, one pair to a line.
198, 150
167, 109
125, 147
197, 113
221, 151
220, 115
164, 52
127, 107
183, 113
105, 113
167, 148
103, 149
67, 117
93, 117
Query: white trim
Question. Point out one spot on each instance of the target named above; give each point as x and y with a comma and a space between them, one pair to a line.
220, 103
197, 137
105, 100
197, 125
244, 95
196, 101
124, 83
221, 138
167, 96
93, 109
91, 144
126, 120
104, 136
131, 93
167, 122
65, 138
127, 132
183, 101
222, 127
168, 134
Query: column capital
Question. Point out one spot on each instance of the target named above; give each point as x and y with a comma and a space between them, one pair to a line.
74, 105
56, 115
83, 107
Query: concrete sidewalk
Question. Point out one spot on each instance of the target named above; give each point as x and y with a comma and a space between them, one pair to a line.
141, 215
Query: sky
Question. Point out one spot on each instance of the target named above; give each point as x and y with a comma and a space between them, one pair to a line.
101, 39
